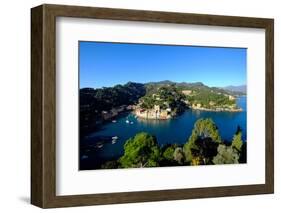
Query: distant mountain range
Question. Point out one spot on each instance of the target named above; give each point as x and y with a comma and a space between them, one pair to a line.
241, 88
236, 90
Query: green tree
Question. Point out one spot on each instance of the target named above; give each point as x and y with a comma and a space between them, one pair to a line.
140, 151
205, 151
168, 154
203, 128
226, 155
237, 140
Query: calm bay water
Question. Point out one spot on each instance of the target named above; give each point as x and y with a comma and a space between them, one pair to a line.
176, 130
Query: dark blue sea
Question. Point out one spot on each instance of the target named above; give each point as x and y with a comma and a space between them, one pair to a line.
176, 130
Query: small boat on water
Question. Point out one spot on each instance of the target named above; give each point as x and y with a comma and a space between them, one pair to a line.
114, 121
100, 145
131, 122
127, 121
114, 139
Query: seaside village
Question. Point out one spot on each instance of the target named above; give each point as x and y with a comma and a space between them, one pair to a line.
156, 112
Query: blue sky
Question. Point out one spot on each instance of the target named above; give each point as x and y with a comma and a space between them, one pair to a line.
107, 64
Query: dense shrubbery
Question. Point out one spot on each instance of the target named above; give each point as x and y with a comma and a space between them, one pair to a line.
141, 151
204, 132
209, 99
166, 97
204, 147
108, 97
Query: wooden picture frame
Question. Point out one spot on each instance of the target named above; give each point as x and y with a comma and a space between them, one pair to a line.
43, 105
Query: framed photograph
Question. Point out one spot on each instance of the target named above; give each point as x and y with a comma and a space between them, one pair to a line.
136, 106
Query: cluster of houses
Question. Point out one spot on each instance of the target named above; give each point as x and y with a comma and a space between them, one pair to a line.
231, 108
155, 113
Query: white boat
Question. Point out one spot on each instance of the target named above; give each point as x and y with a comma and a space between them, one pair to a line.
131, 122
114, 138
127, 121
113, 141
114, 121
100, 145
